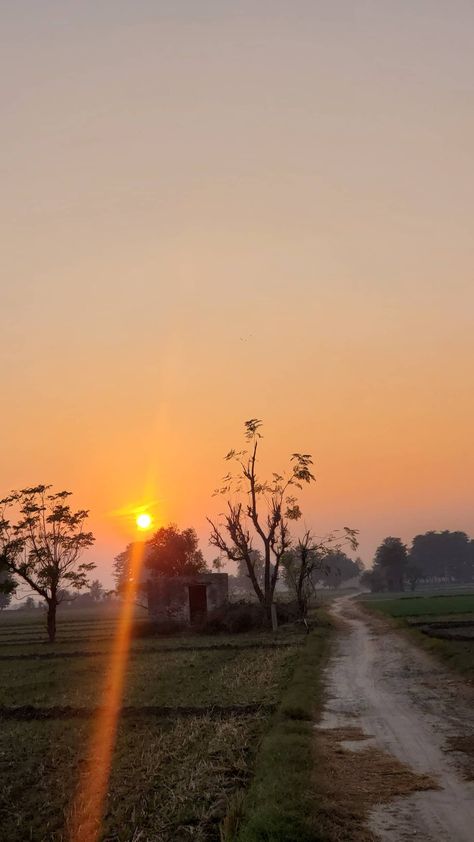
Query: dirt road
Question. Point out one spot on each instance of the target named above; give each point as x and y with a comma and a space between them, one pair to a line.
410, 707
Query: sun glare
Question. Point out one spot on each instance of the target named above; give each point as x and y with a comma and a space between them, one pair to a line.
143, 521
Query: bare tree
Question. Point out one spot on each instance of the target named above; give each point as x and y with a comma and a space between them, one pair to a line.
44, 545
259, 511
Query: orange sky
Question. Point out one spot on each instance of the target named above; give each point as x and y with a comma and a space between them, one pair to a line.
217, 211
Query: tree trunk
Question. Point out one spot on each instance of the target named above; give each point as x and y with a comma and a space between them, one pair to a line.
51, 619
267, 607
300, 598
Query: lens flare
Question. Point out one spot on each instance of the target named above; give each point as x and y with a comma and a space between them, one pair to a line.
87, 812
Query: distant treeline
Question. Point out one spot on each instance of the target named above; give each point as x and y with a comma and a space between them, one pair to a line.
334, 568
433, 558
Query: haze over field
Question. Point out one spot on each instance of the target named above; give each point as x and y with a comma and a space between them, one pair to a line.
215, 211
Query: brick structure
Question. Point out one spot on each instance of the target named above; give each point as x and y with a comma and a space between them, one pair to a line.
186, 599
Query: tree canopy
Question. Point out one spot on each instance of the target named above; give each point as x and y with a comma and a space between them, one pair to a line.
338, 566
434, 557
169, 552
443, 556
390, 564
172, 552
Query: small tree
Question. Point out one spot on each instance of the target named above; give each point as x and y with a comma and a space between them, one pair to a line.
390, 562
43, 545
29, 604
122, 565
5, 599
259, 510
340, 568
311, 560
242, 581
299, 566
374, 580
96, 591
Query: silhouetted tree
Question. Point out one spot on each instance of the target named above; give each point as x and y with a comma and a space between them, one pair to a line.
390, 563
413, 574
339, 567
43, 543
96, 590
122, 565
171, 552
443, 556
7, 586
29, 604
374, 580
259, 510
5, 599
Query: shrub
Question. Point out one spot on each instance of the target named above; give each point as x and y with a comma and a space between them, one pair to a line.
150, 628
288, 612
233, 618
243, 617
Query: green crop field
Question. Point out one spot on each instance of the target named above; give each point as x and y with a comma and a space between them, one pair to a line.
195, 711
426, 606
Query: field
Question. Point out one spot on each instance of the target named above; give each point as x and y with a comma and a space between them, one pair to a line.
424, 606
196, 710
441, 623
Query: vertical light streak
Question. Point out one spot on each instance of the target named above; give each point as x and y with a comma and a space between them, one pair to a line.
86, 816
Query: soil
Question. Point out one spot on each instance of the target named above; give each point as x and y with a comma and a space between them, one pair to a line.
412, 709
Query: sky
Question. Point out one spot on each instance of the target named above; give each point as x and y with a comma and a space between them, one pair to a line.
222, 210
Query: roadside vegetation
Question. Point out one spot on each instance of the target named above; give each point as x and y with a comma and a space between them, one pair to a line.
282, 802
438, 605
443, 624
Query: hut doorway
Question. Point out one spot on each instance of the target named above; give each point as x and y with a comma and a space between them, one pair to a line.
197, 602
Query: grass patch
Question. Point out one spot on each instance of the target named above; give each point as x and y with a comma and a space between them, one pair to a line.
280, 804
408, 614
185, 677
456, 654
423, 606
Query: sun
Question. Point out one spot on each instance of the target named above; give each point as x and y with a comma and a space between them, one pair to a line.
143, 521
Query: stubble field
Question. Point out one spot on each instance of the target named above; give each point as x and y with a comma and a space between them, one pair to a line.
195, 712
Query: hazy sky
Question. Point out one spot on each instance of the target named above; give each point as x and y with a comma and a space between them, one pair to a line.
212, 211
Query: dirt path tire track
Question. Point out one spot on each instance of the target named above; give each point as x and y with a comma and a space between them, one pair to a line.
410, 706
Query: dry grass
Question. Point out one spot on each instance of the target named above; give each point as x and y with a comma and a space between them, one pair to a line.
171, 781
465, 746
350, 783
266, 669
196, 711
187, 777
